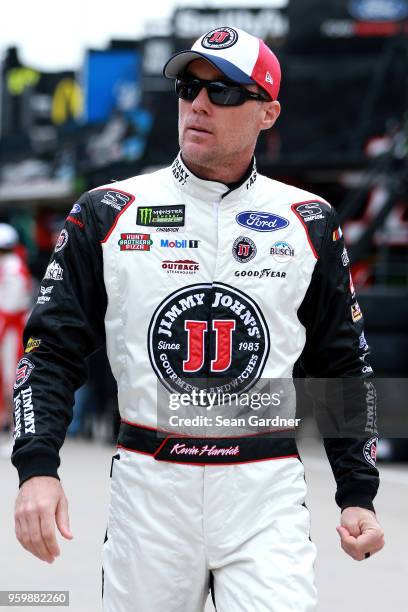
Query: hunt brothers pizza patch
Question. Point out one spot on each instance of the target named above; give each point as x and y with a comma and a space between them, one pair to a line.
135, 242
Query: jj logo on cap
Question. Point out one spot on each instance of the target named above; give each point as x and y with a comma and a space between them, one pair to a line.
221, 38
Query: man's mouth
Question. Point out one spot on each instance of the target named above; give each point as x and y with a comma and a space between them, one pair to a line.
198, 128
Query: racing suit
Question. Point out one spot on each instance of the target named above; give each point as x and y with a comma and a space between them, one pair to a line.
182, 275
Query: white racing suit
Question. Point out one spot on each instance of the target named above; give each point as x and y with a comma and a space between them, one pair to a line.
187, 278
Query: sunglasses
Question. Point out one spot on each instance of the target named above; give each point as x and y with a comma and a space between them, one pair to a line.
220, 93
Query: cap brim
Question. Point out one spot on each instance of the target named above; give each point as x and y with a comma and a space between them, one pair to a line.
180, 61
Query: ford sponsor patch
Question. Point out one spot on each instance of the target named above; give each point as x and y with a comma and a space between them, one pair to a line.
261, 221
75, 209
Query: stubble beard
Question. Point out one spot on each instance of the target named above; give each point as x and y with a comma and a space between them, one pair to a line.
205, 158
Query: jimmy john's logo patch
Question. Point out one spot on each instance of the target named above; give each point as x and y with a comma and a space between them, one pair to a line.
62, 240
221, 38
243, 249
23, 371
135, 242
161, 216
370, 450
222, 336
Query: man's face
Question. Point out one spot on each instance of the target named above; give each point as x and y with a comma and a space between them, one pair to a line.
211, 134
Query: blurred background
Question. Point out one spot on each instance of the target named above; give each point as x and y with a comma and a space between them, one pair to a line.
83, 101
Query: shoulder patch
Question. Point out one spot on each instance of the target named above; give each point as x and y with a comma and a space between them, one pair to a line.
311, 210
109, 203
313, 214
115, 198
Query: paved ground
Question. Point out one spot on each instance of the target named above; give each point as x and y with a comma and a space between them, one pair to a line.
377, 584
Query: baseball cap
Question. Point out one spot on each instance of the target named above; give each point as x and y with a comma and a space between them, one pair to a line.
8, 236
243, 58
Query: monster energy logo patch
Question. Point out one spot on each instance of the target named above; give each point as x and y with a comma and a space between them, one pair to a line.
159, 216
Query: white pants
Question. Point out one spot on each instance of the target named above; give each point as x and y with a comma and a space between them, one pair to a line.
170, 525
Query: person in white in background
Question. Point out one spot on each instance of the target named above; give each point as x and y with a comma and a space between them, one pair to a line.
15, 302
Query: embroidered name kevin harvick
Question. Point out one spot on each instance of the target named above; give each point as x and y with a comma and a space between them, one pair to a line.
198, 451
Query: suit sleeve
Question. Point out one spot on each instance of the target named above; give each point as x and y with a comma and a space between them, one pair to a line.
335, 356
66, 325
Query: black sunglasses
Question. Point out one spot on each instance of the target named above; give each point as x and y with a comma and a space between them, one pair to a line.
220, 92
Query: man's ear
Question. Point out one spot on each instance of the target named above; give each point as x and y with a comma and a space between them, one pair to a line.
271, 111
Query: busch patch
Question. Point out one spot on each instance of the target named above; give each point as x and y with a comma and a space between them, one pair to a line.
23, 371
213, 324
159, 216
53, 272
243, 249
282, 251
370, 450
221, 38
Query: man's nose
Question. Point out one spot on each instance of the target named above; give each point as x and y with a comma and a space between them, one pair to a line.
202, 101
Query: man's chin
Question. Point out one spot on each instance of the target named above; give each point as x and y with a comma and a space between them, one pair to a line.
197, 153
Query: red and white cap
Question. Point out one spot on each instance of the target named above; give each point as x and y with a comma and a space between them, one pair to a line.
243, 58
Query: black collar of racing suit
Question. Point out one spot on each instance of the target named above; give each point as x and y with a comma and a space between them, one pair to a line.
251, 168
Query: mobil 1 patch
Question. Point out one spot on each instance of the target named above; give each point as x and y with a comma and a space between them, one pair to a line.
161, 216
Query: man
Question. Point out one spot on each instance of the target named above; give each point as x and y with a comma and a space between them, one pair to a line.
204, 269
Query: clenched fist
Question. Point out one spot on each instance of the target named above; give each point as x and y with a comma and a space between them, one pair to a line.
360, 533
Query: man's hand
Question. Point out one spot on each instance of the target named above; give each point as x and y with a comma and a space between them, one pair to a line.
360, 533
40, 504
